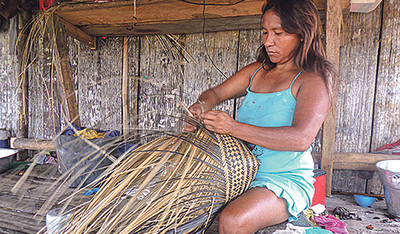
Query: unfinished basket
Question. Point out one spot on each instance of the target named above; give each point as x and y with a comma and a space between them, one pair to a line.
176, 183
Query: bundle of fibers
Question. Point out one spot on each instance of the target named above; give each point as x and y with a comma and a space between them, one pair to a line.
176, 183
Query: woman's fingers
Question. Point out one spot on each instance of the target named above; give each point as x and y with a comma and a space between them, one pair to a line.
217, 121
195, 111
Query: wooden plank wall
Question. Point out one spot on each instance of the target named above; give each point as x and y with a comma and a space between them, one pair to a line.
368, 100
44, 100
387, 103
356, 90
8, 77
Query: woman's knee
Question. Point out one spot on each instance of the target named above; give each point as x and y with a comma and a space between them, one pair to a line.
233, 221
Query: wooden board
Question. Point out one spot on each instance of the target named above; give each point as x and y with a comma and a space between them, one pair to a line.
249, 42
99, 80
18, 211
148, 17
358, 69
386, 125
8, 83
133, 73
332, 40
348, 181
356, 86
160, 86
63, 64
161, 16
199, 75
44, 118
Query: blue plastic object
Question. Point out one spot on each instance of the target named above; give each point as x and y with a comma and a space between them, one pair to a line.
364, 201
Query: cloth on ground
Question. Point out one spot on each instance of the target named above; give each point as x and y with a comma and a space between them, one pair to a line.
88, 133
292, 229
332, 224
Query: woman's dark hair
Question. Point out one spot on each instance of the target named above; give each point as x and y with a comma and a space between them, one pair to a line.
301, 17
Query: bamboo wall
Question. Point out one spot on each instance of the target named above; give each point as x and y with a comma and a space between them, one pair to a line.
368, 113
368, 110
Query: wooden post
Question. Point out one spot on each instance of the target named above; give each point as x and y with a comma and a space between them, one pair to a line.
32, 144
333, 23
125, 88
67, 80
79, 34
23, 78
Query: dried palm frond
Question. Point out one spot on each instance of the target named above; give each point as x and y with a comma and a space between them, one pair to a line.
175, 183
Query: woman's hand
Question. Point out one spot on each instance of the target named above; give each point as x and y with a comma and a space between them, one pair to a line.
218, 121
195, 110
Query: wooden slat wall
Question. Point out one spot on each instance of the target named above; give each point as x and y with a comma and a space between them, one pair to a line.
133, 73
8, 81
249, 41
200, 74
160, 86
362, 119
387, 104
98, 80
44, 117
356, 88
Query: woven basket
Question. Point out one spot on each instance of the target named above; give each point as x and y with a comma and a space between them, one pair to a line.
176, 183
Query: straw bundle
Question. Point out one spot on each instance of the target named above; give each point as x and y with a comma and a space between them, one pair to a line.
176, 183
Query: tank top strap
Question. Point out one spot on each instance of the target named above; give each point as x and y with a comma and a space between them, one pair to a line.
251, 79
290, 88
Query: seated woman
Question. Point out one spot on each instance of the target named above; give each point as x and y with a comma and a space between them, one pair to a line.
287, 97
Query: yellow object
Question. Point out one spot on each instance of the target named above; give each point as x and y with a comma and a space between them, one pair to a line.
90, 134
310, 216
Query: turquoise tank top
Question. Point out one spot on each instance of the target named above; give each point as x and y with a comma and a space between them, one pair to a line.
288, 174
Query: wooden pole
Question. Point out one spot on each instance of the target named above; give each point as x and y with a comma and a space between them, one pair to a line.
125, 88
79, 34
333, 23
23, 78
357, 161
67, 80
32, 144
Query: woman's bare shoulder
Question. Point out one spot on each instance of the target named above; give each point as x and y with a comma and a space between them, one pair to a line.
311, 78
310, 82
252, 67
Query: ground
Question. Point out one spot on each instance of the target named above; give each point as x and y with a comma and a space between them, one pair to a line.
17, 211
376, 215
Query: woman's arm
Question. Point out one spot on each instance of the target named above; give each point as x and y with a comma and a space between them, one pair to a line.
235, 86
311, 109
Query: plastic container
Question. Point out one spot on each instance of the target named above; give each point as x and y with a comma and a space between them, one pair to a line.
364, 201
56, 221
4, 139
6, 158
389, 173
319, 186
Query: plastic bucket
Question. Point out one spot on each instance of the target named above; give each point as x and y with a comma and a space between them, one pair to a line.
6, 158
4, 139
389, 173
55, 221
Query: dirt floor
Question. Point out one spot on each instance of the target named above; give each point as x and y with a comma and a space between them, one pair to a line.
375, 215
373, 219
18, 212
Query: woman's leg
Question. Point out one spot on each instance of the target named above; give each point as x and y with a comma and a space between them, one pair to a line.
255, 209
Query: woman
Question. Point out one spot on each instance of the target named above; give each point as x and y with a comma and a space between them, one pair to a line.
287, 98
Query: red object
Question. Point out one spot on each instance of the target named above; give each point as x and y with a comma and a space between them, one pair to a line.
320, 186
45, 4
389, 146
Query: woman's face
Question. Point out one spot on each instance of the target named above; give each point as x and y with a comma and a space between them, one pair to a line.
278, 43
